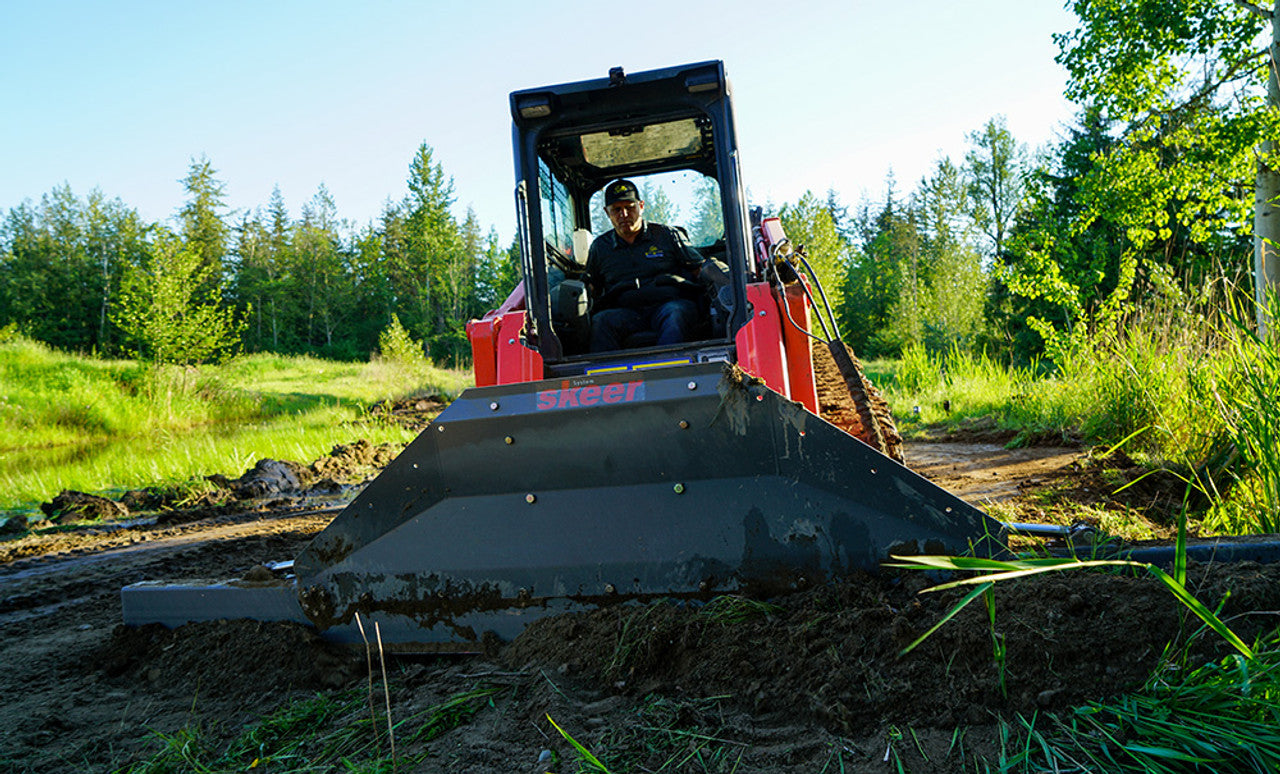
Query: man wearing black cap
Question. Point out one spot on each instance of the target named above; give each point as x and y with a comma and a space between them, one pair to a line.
641, 275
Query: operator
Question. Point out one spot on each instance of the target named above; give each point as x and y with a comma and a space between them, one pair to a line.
642, 275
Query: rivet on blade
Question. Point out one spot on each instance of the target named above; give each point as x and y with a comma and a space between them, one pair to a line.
440, 428
531, 498
684, 424
509, 440
679, 488
493, 406
693, 385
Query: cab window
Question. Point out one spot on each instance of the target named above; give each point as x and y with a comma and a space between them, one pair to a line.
557, 212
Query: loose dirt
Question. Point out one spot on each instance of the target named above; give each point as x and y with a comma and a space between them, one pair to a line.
815, 680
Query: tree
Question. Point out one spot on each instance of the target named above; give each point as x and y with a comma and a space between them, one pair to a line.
60, 264
320, 272
952, 273
202, 227
1200, 103
996, 168
808, 224
707, 223
658, 207
425, 243
873, 274
168, 311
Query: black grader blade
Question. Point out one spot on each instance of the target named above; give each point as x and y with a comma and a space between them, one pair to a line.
545, 497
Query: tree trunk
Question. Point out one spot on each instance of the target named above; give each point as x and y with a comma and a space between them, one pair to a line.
1266, 215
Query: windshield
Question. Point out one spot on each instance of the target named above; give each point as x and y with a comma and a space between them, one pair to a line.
684, 198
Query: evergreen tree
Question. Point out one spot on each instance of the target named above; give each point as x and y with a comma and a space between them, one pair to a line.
201, 219
430, 244
60, 266
321, 275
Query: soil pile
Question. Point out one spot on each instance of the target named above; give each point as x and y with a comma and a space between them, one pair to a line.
838, 407
832, 655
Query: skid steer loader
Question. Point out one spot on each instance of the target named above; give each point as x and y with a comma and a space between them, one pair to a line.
570, 478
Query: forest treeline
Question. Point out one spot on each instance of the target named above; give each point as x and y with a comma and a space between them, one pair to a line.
85, 273
1164, 186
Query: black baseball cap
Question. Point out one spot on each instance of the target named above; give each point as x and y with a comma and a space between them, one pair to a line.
621, 191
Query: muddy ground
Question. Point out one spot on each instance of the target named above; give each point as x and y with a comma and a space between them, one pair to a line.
814, 683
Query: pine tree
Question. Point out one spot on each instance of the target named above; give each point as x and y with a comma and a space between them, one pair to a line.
201, 219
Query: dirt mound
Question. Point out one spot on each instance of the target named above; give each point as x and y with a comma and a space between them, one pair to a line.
252, 658
70, 505
831, 655
352, 463
837, 406
414, 413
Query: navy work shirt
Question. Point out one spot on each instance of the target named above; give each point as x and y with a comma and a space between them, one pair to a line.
651, 270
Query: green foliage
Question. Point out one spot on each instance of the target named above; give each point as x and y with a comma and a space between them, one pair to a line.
732, 609
204, 232
996, 168
1181, 388
808, 224
397, 346
917, 277
663, 735
168, 311
991, 572
60, 267
1183, 86
310, 284
1219, 717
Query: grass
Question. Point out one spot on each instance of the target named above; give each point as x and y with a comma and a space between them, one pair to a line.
104, 426
1219, 717
1191, 393
663, 735
323, 733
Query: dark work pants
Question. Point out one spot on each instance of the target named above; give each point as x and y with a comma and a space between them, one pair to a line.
673, 321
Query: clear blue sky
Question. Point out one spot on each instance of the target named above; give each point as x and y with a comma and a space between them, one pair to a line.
121, 95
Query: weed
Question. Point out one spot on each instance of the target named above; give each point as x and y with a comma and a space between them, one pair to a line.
992, 571
588, 761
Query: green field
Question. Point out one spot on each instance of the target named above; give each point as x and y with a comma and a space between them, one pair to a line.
105, 426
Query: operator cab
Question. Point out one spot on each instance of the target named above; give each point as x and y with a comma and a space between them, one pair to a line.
669, 131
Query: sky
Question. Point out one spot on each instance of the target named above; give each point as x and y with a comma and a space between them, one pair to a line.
122, 96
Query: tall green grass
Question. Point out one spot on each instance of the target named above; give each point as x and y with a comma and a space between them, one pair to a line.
70, 422
1193, 391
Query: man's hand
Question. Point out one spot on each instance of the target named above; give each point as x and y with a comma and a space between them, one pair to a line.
714, 274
